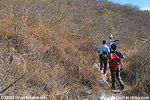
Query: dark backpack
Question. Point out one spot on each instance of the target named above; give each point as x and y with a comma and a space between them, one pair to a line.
105, 54
114, 59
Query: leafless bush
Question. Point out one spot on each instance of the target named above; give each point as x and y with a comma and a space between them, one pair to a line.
138, 76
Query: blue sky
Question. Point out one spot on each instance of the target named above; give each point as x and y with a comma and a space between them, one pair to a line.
142, 4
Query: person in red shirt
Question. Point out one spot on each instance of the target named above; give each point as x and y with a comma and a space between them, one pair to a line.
116, 73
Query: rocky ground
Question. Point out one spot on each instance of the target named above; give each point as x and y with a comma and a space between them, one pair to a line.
105, 84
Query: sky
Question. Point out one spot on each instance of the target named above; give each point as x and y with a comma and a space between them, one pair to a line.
142, 4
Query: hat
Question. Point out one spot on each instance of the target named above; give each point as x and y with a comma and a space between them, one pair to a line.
104, 41
110, 35
113, 46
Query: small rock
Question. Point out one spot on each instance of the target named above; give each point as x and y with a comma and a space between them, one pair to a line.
95, 65
102, 82
86, 92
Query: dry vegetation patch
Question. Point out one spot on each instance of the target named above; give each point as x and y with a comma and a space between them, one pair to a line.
57, 41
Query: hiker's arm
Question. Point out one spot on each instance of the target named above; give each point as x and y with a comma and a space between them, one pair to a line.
98, 50
116, 40
109, 60
123, 56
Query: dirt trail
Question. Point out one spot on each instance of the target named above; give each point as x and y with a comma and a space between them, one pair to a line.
105, 83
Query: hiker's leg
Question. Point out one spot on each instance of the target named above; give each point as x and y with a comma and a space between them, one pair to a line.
105, 65
113, 78
101, 62
118, 77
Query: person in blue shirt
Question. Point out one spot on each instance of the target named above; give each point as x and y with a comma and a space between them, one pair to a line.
103, 50
116, 73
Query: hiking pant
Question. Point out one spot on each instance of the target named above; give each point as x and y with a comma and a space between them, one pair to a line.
103, 63
116, 74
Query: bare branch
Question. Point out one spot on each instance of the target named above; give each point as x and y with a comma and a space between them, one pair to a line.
4, 75
13, 83
8, 62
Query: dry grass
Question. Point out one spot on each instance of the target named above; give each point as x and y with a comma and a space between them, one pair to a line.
58, 47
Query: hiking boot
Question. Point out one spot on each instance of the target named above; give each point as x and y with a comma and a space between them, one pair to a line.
113, 88
104, 71
101, 68
122, 87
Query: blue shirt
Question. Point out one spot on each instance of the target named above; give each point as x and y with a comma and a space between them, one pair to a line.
102, 48
119, 54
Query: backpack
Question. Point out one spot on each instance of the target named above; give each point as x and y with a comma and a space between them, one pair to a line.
105, 54
114, 59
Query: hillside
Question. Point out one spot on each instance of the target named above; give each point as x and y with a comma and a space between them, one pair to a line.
55, 43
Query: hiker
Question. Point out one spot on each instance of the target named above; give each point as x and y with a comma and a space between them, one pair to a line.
110, 41
115, 70
103, 50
